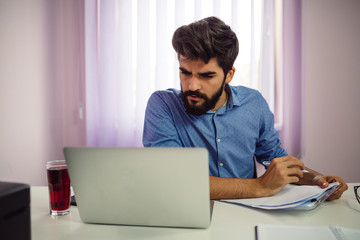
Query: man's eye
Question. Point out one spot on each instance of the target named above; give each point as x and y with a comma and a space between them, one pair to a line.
185, 73
207, 76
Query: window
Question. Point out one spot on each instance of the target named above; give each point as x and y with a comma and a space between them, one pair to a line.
129, 55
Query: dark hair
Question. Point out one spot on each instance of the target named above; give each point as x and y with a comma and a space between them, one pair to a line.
206, 39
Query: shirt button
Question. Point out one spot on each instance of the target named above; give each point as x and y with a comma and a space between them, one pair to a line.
218, 140
221, 164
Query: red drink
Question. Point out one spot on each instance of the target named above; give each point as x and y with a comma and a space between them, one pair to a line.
59, 189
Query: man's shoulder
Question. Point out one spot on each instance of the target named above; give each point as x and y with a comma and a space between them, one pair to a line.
167, 96
244, 91
241, 94
170, 92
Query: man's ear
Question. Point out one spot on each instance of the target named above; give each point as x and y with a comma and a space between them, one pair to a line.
230, 75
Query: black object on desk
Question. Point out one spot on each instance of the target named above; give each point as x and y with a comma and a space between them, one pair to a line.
73, 201
15, 211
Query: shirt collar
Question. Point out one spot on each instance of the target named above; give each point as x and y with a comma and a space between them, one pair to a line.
230, 103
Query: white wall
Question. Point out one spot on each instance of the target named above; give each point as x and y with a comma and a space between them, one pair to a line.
331, 70
37, 117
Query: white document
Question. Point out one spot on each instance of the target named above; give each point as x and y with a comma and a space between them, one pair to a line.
290, 196
280, 232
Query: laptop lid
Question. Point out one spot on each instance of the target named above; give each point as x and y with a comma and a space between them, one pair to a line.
166, 187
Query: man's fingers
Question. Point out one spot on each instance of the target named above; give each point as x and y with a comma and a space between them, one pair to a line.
320, 181
295, 171
293, 179
288, 161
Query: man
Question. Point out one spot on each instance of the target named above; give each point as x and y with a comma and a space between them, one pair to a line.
233, 123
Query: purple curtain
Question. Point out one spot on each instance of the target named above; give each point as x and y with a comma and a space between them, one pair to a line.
292, 120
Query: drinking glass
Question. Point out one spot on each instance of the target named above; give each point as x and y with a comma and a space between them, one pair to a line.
59, 187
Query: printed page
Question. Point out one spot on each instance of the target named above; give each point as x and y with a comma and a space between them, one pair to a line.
282, 232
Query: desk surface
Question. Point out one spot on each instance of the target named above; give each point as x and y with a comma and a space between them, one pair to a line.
228, 221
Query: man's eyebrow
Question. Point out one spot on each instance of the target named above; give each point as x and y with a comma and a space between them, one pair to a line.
204, 74
184, 70
209, 73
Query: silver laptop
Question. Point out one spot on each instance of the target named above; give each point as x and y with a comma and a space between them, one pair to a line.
166, 187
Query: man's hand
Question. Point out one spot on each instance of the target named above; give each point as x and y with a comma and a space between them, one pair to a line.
323, 182
281, 171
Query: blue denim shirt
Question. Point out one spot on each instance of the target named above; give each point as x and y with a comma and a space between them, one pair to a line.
236, 133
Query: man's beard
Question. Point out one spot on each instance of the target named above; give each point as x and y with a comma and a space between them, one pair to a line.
209, 103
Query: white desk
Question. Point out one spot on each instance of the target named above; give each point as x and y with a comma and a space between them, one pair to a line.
228, 221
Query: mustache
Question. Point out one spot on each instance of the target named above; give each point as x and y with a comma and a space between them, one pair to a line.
194, 93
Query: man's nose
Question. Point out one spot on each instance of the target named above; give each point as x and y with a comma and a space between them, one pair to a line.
194, 83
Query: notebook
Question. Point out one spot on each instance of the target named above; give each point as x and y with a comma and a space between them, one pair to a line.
166, 187
280, 232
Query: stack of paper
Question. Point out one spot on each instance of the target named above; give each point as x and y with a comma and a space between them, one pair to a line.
290, 197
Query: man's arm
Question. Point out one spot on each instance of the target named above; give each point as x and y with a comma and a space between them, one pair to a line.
159, 129
281, 172
229, 188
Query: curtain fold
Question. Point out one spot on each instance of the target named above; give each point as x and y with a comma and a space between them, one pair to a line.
110, 100
267, 60
291, 132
